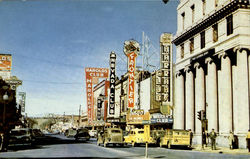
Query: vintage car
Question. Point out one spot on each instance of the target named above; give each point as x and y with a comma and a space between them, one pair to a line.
71, 132
82, 134
110, 136
157, 135
137, 136
23, 136
93, 133
174, 137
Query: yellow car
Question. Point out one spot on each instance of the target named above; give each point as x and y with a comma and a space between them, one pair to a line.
110, 136
137, 136
175, 138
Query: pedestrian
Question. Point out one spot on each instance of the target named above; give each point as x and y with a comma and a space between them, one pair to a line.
191, 137
231, 140
203, 139
213, 136
207, 137
248, 140
1, 141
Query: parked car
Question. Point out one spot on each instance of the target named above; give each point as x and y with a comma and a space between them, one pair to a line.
82, 134
93, 133
137, 136
70, 132
38, 135
110, 136
23, 136
175, 137
157, 135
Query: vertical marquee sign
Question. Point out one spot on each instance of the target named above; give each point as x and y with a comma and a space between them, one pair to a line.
112, 83
5, 65
164, 75
99, 107
131, 50
91, 73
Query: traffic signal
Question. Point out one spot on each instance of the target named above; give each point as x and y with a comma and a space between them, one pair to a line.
204, 115
199, 115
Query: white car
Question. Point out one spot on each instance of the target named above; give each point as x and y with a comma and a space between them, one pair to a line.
93, 133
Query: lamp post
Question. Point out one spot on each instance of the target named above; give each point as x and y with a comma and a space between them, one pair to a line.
5, 98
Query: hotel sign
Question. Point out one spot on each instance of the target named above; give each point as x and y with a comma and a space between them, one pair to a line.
131, 50
112, 83
164, 75
91, 73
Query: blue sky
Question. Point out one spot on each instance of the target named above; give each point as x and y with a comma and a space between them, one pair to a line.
52, 41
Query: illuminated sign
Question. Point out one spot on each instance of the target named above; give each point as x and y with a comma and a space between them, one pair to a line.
99, 108
131, 50
112, 83
160, 118
5, 65
91, 73
164, 75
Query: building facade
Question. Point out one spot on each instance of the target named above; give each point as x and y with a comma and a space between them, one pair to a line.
212, 68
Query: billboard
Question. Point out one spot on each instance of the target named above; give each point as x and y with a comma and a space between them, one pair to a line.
90, 74
112, 83
5, 65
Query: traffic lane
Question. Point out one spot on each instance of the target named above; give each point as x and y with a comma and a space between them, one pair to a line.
176, 153
70, 150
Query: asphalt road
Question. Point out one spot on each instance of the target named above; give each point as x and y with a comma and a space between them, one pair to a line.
58, 146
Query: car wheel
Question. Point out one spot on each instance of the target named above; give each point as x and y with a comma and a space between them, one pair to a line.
160, 144
169, 145
133, 144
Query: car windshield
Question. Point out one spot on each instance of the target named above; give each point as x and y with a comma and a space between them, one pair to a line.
115, 131
140, 132
18, 132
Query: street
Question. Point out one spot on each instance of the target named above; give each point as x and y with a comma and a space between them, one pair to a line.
58, 146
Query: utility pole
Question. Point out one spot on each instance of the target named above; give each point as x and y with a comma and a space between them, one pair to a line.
79, 116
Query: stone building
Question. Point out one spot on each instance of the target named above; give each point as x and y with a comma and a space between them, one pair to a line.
212, 67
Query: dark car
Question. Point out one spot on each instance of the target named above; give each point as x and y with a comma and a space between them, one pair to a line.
38, 135
23, 136
82, 134
71, 132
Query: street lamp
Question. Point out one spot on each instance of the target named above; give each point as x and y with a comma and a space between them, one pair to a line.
5, 98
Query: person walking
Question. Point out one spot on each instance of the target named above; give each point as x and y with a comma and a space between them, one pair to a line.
213, 136
248, 140
231, 140
191, 137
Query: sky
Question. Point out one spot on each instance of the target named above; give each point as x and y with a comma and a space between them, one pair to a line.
52, 41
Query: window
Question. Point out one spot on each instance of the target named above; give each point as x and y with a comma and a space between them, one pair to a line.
183, 20
182, 51
229, 25
215, 32
202, 39
191, 44
204, 7
192, 8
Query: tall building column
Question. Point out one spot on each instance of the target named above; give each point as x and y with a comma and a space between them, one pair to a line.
225, 95
189, 98
211, 95
241, 92
199, 95
179, 102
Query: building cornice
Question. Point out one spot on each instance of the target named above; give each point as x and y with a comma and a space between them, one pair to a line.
218, 15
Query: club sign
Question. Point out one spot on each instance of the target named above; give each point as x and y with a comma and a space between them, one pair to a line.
112, 83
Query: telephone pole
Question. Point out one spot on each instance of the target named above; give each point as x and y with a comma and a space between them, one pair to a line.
79, 116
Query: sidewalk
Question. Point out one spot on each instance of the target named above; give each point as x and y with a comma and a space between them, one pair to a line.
223, 150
